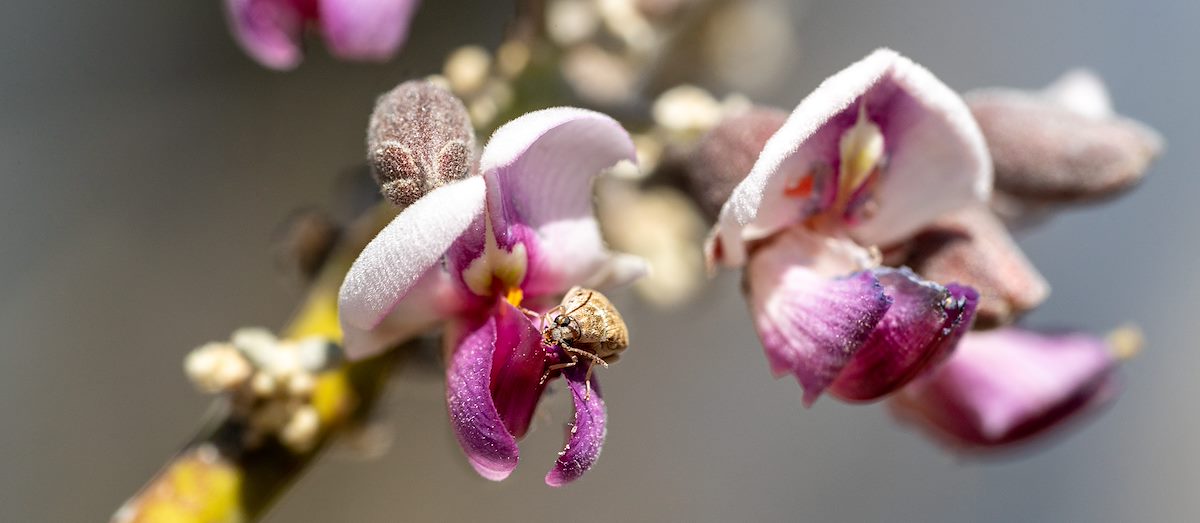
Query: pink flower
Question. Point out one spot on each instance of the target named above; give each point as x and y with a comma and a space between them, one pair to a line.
1008, 385
270, 30
475, 255
875, 154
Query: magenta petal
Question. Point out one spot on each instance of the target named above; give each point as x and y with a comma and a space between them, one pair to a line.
268, 30
365, 29
490, 368
1008, 385
586, 435
811, 325
517, 368
922, 326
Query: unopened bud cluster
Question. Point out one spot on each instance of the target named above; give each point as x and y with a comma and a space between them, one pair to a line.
270, 383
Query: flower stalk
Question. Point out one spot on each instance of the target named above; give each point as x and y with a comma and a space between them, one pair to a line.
221, 476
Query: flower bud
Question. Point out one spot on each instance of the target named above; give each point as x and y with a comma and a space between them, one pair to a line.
724, 156
1063, 144
420, 138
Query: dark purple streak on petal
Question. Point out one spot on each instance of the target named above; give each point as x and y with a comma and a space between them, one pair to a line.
517, 367
922, 327
811, 326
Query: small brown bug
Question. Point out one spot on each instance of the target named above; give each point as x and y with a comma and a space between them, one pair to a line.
585, 324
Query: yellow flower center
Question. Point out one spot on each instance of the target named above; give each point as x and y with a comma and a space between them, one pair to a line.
861, 149
498, 267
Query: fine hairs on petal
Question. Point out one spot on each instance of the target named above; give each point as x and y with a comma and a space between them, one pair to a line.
933, 140
539, 170
414, 243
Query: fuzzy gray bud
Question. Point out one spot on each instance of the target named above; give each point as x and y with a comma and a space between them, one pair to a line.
724, 156
1044, 151
420, 138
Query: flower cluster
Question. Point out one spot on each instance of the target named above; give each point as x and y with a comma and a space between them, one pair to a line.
871, 223
484, 257
270, 383
883, 166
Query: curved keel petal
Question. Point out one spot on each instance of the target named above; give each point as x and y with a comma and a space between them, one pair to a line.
811, 325
922, 327
490, 447
586, 435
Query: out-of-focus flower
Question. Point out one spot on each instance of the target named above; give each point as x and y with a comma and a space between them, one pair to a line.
1007, 385
269, 381
1063, 144
972, 246
271, 30
662, 226
723, 157
876, 153
478, 254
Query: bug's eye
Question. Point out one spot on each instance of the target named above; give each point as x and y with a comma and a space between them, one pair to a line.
562, 321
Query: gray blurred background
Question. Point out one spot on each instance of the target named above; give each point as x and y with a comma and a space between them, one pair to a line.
145, 164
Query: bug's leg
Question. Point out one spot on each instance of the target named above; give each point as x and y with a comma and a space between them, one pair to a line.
586, 354
529, 313
557, 366
587, 382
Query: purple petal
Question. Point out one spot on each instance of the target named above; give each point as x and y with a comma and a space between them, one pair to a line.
404, 252
810, 325
517, 367
921, 328
930, 137
365, 29
1008, 385
539, 171
483, 398
586, 435
268, 30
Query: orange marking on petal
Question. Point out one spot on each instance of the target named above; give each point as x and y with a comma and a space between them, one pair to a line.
800, 188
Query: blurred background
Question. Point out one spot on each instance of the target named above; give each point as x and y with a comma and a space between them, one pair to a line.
146, 163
